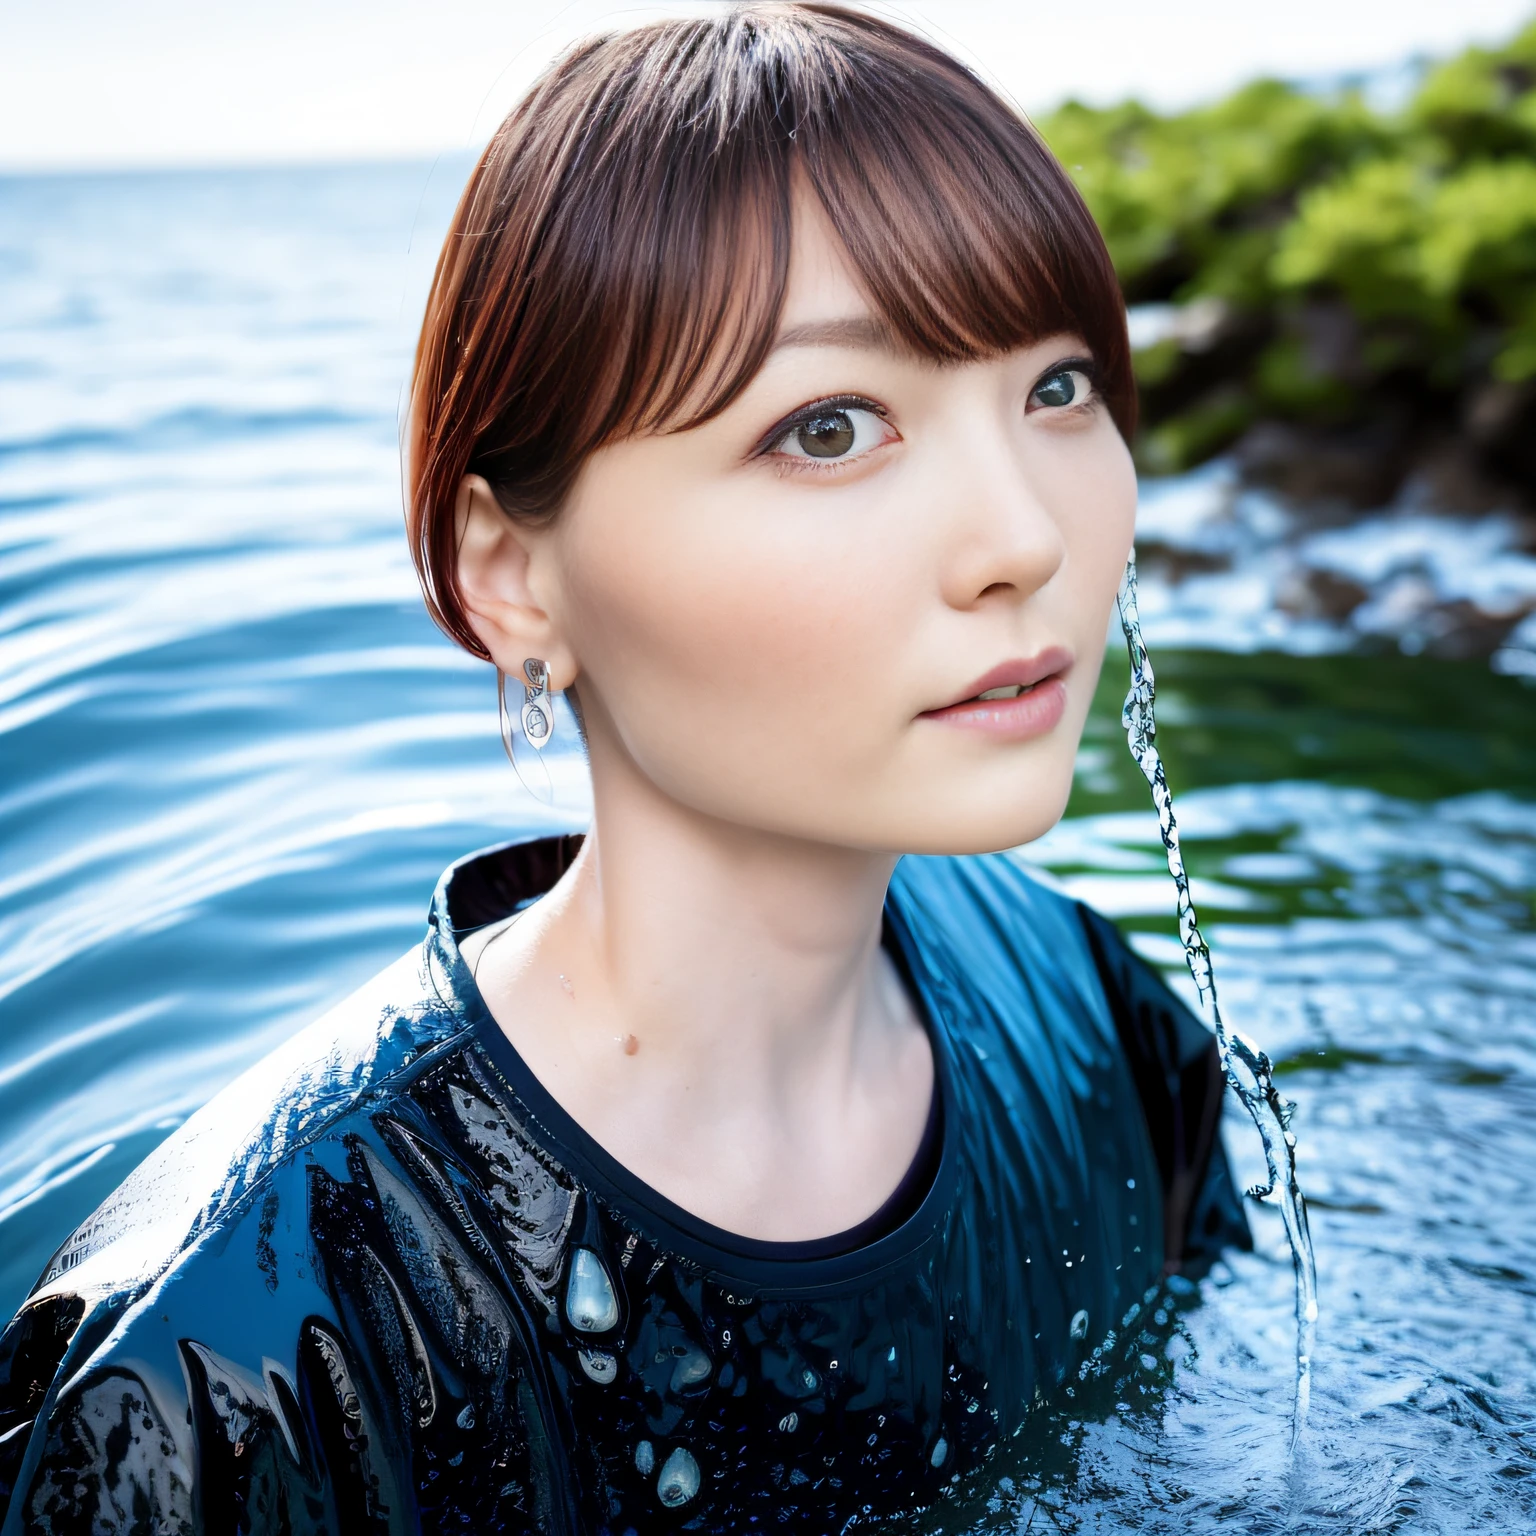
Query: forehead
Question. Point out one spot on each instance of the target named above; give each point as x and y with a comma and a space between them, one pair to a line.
821, 282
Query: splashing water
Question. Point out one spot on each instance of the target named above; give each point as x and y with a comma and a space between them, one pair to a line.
1246, 1067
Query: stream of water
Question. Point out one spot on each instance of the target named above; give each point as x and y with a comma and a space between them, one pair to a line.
1248, 1070
235, 755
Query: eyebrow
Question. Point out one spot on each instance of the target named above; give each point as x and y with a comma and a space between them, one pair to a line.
863, 331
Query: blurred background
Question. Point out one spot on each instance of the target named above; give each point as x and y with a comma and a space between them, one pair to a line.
234, 754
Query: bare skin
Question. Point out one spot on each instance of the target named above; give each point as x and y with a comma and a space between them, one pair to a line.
766, 636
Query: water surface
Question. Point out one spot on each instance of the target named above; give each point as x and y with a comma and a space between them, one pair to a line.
235, 755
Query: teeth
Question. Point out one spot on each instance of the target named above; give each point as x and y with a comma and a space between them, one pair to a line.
1012, 691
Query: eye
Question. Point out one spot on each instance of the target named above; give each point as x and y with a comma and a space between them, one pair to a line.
832, 431
1069, 384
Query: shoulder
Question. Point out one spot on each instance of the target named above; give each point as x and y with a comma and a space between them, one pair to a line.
189, 1291
209, 1170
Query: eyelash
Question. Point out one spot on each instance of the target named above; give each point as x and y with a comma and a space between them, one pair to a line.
1083, 365
809, 412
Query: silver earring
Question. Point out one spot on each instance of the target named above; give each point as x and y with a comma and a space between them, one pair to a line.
537, 718
538, 714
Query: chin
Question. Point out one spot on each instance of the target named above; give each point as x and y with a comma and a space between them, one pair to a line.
975, 821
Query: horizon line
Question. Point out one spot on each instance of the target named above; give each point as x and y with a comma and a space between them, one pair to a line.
42, 170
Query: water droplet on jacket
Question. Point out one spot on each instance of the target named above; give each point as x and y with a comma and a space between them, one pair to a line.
590, 1302
692, 1366
679, 1479
1080, 1325
790, 1423
891, 1358
940, 1451
600, 1367
466, 1418
645, 1458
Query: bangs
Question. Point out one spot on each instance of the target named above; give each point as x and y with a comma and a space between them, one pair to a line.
933, 186
619, 261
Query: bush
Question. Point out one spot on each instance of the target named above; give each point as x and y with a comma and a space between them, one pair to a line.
1370, 272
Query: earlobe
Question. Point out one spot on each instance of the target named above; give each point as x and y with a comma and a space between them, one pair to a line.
500, 565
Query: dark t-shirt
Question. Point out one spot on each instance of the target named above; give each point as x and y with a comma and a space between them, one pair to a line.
384, 1282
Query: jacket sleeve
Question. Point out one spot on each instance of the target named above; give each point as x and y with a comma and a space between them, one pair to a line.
332, 1359
1177, 1070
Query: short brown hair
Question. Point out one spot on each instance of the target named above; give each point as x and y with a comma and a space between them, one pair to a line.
618, 261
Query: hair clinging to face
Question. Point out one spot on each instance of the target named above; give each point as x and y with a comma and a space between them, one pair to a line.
618, 261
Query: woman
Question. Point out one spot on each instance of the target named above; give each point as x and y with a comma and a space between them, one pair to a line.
712, 1170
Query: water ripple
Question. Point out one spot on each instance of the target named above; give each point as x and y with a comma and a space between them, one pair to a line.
234, 757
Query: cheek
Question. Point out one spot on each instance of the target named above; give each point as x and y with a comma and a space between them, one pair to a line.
1092, 495
746, 629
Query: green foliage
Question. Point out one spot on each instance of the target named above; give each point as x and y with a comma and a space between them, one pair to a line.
1356, 253
1481, 103
1176, 196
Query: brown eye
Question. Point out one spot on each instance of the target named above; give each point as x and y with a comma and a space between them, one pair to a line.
833, 433
826, 437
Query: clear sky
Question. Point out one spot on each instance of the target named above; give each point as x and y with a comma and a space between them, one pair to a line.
164, 82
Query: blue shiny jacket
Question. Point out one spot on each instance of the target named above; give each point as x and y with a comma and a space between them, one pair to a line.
383, 1283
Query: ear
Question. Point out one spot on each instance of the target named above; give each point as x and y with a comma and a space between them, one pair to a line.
506, 575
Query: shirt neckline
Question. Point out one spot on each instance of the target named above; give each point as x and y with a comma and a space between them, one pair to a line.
489, 885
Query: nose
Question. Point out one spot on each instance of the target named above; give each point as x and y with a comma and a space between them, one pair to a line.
1003, 544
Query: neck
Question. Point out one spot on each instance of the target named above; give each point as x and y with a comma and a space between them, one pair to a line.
711, 1002
738, 950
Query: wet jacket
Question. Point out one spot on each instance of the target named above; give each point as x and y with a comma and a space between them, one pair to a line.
383, 1283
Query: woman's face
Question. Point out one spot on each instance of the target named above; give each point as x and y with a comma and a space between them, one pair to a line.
785, 618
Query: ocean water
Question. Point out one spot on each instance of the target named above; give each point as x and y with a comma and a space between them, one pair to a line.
234, 756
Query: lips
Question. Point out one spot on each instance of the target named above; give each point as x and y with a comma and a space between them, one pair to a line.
1010, 679
1016, 701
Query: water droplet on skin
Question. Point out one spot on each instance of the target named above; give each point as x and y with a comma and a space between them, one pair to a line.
1080, 1325
567, 988
631, 1045
679, 1479
645, 1458
940, 1451
602, 1368
590, 1302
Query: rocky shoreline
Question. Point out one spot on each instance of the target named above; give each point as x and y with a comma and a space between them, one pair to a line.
1231, 564
1335, 297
